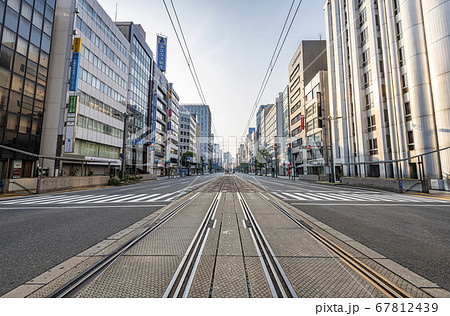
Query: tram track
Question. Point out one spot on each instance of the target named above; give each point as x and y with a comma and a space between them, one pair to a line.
279, 284
76, 284
388, 288
181, 282
384, 285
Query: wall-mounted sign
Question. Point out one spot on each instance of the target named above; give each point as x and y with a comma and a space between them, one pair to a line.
162, 52
74, 71
77, 45
70, 124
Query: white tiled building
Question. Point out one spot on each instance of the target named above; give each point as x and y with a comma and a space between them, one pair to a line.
389, 74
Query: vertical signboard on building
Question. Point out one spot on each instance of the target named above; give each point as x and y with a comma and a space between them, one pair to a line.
155, 104
75, 66
162, 52
70, 124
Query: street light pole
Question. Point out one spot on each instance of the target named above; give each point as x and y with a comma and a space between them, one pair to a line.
124, 144
331, 150
125, 136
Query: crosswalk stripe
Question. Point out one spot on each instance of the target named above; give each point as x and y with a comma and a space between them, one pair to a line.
71, 199
309, 196
37, 199
327, 197
279, 195
109, 199
295, 196
101, 196
145, 197
42, 201
160, 197
133, 197
62, 200
348, 197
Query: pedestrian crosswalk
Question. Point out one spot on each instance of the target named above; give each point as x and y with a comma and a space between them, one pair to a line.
75, 199
349, 196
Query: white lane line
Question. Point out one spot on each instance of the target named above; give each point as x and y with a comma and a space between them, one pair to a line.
111, 198
129, 198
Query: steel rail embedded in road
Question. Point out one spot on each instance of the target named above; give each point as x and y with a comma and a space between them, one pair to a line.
80, 281
380, 282
279, 283
181, 282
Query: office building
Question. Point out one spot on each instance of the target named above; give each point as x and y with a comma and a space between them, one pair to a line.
138, 98
26, 32
95, 98
389, 69
203, 114
309, 59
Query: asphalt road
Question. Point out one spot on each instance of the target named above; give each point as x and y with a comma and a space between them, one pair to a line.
410, 230
39, 232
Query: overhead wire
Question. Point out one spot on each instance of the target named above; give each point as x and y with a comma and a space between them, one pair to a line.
183, 50
202, 95
272, 62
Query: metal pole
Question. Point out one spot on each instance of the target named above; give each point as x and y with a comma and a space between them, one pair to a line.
124, 144
331, 152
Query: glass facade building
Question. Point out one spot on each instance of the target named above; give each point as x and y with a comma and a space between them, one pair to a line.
139, 100
203, 114
26, 28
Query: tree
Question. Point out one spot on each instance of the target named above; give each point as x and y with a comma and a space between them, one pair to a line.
266, 158
202, 162
210, 165
185, 162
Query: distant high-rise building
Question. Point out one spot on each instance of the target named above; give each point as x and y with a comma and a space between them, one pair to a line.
389, 68
26, 30
203, 114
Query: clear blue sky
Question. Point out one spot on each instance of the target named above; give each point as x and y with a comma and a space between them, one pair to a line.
231, 43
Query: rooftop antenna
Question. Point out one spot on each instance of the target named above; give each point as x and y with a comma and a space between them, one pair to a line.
117, 4
320, 36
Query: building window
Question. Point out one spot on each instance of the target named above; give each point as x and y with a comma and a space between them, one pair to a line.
373, 146
407, 111
367, 79
371, 123
364, 36
396, 6
369, 100
362, 17
366, 57
401, 56
399, 30
411, 140
404, 83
